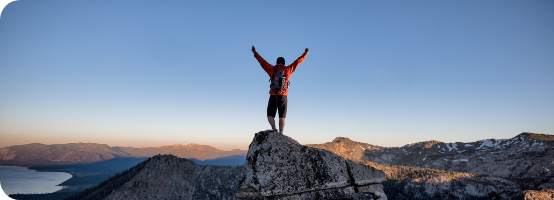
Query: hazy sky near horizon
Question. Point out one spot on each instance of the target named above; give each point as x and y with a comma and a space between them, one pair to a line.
151, 73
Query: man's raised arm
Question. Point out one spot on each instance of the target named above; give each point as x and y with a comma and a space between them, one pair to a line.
299, 60
265, 65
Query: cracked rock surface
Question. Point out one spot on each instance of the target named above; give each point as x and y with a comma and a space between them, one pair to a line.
278, 167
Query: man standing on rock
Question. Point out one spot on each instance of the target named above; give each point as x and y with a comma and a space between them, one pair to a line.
279, 76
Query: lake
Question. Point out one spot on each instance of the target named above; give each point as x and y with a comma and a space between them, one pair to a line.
25, 181
20, 180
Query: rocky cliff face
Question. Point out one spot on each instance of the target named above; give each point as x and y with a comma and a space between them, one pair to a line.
278, 167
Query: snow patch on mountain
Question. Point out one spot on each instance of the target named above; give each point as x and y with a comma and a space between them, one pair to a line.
507, 143
489, 143
451, 146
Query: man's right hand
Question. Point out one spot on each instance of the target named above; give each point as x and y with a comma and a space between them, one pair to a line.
253, 49
305, 51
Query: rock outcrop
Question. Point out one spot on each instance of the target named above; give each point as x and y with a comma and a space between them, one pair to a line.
278, 167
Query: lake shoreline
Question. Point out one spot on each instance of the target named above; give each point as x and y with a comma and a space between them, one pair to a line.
22, 180
91, 174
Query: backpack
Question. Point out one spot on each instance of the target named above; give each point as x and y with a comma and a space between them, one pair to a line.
279, 83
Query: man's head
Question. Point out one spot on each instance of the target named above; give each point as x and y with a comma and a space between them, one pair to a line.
281, 60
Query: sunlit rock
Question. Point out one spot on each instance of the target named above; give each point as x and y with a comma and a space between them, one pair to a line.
279, 167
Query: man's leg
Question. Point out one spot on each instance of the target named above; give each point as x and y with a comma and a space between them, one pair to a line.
281, 125
282, 107
271, 111
271, 121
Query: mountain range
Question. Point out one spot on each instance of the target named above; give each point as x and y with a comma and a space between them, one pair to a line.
526, 155
515, 168
36, 154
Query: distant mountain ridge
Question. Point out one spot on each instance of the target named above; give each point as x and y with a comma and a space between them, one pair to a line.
525, 155
37, 154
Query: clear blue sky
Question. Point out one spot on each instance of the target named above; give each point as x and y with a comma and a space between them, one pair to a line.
389, 73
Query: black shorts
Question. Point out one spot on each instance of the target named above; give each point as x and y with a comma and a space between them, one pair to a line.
277, 102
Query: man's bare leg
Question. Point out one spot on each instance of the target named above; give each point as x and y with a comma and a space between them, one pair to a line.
281, 124
271, 121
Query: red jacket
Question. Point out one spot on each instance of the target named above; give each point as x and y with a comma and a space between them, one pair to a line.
269, 68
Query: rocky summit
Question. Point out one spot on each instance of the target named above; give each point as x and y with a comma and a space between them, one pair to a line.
278, 167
